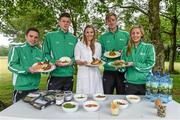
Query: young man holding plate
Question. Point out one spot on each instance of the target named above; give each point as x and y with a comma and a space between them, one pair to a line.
112, 43
58, 48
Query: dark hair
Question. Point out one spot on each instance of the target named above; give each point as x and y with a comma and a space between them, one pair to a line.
32, 29
108, 15
64, 15
92, 45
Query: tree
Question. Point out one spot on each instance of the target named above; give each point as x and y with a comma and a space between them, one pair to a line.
172, 13
154, 25
21, 15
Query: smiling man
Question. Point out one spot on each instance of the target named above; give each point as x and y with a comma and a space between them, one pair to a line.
20, 61
114, 39
58, 44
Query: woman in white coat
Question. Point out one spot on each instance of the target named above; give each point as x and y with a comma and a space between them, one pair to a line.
89, 79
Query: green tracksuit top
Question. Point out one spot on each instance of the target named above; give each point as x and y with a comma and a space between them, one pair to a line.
109, 41
20, 58
56, 45
143, 58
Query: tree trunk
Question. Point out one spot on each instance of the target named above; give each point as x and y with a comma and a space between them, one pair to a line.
154, 25
172, 56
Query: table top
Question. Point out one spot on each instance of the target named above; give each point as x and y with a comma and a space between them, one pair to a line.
144, 110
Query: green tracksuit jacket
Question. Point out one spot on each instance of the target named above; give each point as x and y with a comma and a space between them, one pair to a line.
56, 45
20, 58
143, 58
109, 41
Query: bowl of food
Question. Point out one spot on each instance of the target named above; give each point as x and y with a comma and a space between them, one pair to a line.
99, 97
70, 106
122, 103
65, 60
133, 98
80, 97
91, 106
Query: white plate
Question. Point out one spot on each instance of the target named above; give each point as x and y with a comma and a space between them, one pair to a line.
97, 65
106, 54
91, 108
99, 97
65, 58
45, 71
70, 109
122, 103
80, 97
117, 66
133, 98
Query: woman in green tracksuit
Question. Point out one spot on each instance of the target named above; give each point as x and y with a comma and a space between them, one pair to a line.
20, 61
140, 58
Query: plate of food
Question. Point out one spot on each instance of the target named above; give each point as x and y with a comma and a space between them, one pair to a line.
112, 54
65, 60
80, 97
99, 97
70, 106
91, 106
95, 63
118, 63
122, 103
133, 98
44, 66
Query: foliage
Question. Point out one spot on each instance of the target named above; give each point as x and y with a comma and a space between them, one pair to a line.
20, 15
4, 51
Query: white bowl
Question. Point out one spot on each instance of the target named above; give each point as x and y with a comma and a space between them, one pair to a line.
133, 98
99, 97
74, 109
122, 103
91, 106
80, 97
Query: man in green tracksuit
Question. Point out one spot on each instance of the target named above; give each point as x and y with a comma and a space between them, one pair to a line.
59, 44
115, 39
20, 61
140, 57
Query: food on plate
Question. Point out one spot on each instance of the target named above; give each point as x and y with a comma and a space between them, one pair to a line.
65, 59
91, 105
133, 98
96, 62
42, 66
80, 97
112, 53
122, 103
118, 63
69, 105
100, 96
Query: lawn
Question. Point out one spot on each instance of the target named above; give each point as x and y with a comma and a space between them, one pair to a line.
6, 87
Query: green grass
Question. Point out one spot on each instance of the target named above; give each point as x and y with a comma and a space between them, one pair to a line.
6, 87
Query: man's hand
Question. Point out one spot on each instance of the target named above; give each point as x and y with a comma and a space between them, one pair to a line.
61, 64
32, 70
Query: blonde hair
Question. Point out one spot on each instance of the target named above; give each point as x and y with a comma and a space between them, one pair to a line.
131, 43
92, 45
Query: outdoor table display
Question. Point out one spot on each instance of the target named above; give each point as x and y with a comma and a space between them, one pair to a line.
143, 110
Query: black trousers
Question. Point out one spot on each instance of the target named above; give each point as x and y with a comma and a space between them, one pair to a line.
60, 83
20, 94
113, 79
135, 89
